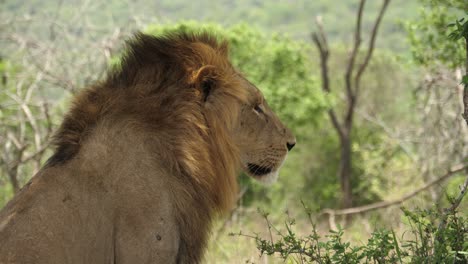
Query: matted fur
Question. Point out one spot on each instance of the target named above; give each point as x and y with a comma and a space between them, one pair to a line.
143, 161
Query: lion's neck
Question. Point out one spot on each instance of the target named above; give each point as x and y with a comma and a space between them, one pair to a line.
161, 178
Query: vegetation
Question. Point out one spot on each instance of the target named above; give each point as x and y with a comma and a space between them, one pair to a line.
294, 18
408, 142
419, 245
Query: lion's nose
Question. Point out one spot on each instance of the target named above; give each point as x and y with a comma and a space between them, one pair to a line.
290, 145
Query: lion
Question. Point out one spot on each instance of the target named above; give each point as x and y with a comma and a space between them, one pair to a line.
146, 159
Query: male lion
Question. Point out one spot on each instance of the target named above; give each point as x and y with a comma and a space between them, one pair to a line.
145, 159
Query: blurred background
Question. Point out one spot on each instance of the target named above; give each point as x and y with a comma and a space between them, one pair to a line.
378, 121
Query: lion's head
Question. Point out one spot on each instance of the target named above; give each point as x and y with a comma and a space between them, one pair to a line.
262, 139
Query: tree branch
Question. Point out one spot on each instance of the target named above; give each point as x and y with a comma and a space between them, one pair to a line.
320, 40
384, 204
34, 155
370, 50
351, 63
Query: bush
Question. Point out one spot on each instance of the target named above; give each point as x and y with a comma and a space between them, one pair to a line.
426, 241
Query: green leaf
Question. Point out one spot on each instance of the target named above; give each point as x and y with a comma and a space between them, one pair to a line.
465, 80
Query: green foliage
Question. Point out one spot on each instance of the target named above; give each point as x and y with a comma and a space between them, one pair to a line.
461, 32
465, 80
428, 35
292, 17
461, 29
426, 242
430, 243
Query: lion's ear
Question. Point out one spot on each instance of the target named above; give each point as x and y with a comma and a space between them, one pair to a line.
204, 79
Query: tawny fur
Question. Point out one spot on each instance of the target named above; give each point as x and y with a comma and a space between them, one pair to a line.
144, 160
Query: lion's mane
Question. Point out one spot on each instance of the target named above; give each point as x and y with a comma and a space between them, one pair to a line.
160, 86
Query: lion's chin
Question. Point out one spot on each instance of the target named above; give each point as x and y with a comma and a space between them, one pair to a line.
267, 179
263, 174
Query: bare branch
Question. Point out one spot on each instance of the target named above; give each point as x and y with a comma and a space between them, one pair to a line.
31, 119
370, 50
320, 40
384, 204
14, 140
43, 57
353, 54
31, 156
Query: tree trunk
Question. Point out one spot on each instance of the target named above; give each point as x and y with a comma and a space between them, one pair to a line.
344, 171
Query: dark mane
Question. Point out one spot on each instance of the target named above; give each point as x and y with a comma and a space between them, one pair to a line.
149, 64
157, 59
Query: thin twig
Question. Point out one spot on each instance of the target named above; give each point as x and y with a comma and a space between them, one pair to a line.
34, 155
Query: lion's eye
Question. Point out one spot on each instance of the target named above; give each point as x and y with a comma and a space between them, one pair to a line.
258, 109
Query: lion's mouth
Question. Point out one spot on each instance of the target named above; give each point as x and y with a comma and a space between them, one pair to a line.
258, 170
